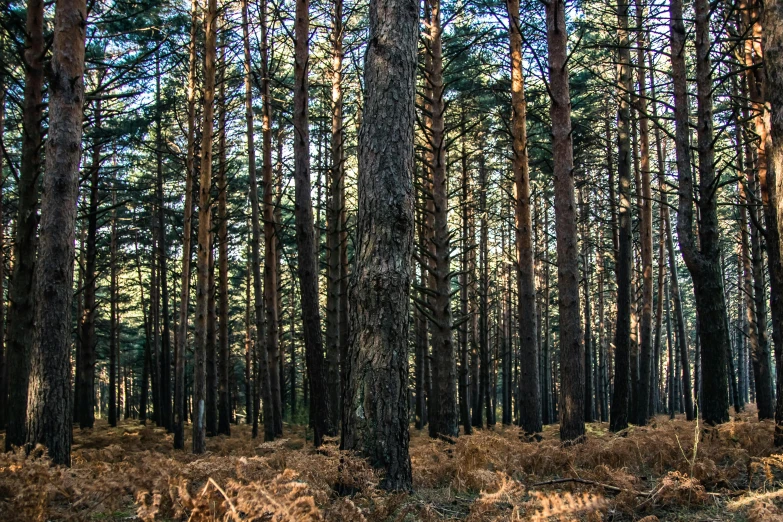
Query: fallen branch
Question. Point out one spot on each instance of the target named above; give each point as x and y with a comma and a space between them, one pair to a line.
608, 487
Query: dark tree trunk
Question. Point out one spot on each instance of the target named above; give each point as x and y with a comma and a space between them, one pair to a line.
305, 234
223, 351
622, 370
49, 420
21, 311
378, 363
703, 262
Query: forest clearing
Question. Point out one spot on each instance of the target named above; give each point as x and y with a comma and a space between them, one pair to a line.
131, 472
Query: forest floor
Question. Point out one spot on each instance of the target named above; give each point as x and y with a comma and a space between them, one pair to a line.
132, 473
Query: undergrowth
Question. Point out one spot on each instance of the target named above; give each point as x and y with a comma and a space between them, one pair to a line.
644, 473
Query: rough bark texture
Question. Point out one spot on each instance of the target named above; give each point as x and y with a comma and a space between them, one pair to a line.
375, 418
49, 419
703, 261
529, 387
204, 243
624, 255
773, 50
307, 263
571, 406
21, 309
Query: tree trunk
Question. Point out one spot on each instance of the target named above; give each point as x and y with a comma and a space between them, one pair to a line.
224, 401
645, 352
529, 388
621, 403
589, 381
212, 349
375, 417
464, 351
571, 408
21, 311
335, 204
114, 344
703, 263
307, 268
187, 236
773, 49
204, 226
271, 305
49, 418
85, 398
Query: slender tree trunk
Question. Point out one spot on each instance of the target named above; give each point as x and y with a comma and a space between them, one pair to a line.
645, 352
49, 418
621, 402
224, 401
305, 234
85, 399
263, 393
336, 202
703, 262
3, 355
271, 308
212, 348
187, 236
571, 408
114, 347
464, 352
385, 224
21, 311
530, 418
589, 381
204, 226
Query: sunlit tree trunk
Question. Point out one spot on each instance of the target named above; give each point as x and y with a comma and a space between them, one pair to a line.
204, 239
571, 407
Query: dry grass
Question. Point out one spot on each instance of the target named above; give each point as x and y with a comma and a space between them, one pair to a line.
131, 473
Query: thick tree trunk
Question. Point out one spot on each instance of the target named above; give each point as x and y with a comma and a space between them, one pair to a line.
204, 237
703, 262
375, 417
187, 236
621, 402
212, 349
773, 50
305, 234
21, 311
49, 418
3, 355
529, 387
571, 407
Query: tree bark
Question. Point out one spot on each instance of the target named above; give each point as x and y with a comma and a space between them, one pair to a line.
571, 408
224, 353
621, 402
375, 418
187, 236
529, 387
49, 418
21, 310
307, 268
204, 226
703, 262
